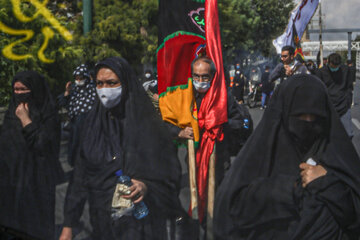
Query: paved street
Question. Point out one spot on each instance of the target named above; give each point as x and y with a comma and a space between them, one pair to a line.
355, 111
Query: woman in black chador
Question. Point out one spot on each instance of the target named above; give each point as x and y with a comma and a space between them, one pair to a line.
29, 166
123, 131
274, 190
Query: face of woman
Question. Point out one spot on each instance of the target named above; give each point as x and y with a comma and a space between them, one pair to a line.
106, 78
20, 88
307, 117
108, 87
305, 129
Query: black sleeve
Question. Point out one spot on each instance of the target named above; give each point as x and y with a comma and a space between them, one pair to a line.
264, 78
352, 71
276, 73
235, 118
76, 195
318, 74
62, 101
238, 127
41, 137
174, 130
264, 200
338, 197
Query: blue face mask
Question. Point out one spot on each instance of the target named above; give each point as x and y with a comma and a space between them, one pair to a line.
201, 87
334, 69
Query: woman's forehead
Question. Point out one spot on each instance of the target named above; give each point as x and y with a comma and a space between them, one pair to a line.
19, 84
106, 73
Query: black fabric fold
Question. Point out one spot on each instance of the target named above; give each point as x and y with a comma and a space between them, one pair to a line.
132, 137
29, 166
261, 196
340, 86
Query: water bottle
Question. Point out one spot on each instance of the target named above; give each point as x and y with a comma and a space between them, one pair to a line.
140, 210
246, 123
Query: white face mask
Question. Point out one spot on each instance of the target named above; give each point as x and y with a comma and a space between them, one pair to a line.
109, 97
147, 75
80, 83
201, 87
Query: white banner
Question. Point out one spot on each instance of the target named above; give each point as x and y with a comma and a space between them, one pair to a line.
300, 16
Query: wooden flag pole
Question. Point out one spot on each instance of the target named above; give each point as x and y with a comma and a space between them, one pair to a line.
192, 180
211, 197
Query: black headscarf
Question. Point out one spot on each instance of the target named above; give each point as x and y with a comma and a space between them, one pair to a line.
339, 85
133, 130
29, 166
268, 166
41, 104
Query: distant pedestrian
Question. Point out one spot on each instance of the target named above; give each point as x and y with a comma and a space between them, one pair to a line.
151, 88
148, 76
310, 65
267, 87
338, 80
238, 86
352, 70
288, 67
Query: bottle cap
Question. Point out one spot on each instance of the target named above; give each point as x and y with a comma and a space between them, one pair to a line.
119, 173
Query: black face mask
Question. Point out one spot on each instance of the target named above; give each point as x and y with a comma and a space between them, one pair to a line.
305, 133
22, 98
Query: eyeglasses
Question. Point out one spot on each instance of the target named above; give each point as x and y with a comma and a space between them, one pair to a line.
205, 77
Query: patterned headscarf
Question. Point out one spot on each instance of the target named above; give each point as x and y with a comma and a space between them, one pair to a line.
82, 98
82, 70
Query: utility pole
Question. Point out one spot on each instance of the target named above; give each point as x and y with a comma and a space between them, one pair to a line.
320, 35
87, 16
349, 45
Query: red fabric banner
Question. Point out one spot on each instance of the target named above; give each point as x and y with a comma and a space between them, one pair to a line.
213, 111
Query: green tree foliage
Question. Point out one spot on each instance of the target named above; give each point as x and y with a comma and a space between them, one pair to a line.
251, 25
65, 55
127, 28
123, 28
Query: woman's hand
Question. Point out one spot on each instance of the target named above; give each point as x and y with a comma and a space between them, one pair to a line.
67, 89
66, 234
22, 112
309, 173
138, 191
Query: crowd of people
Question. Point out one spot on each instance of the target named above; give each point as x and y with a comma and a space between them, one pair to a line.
339, 79
297, 176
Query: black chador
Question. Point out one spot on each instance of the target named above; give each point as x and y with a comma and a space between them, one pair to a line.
129, 136
29, 166
263, 196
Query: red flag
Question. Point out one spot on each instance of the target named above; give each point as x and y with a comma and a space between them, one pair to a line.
213, 110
